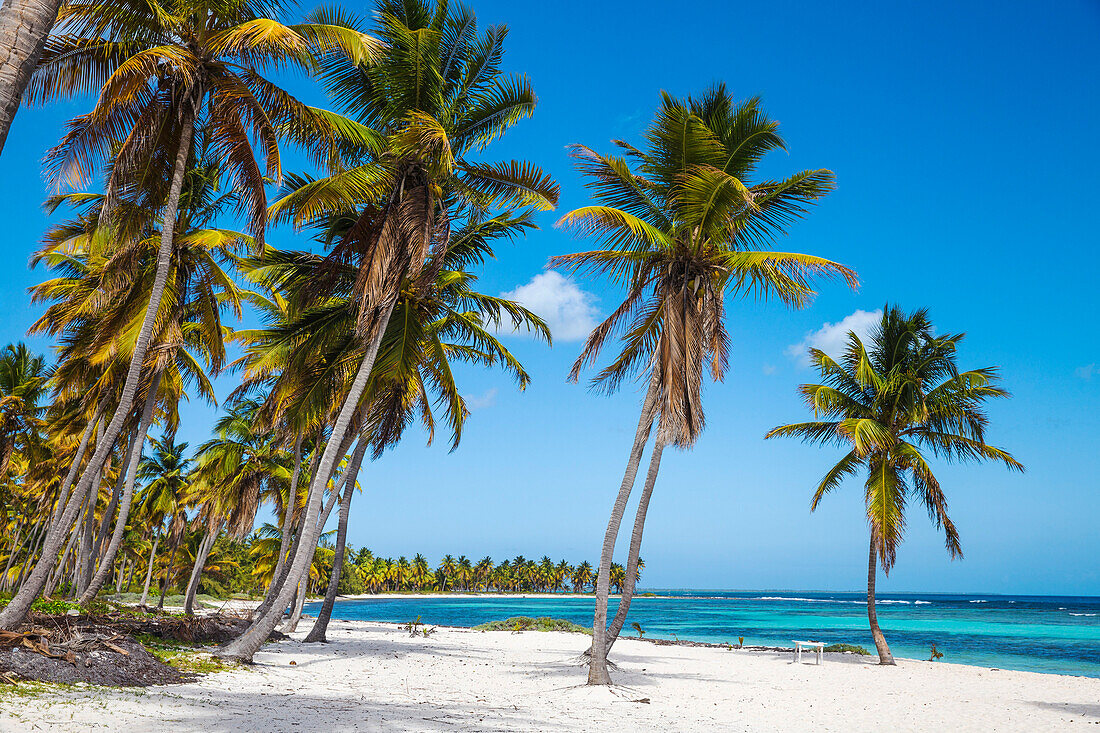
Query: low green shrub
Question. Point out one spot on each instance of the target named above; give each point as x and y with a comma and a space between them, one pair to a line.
526, 623
852, 648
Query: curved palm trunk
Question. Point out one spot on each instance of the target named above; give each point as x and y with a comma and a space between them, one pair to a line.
67, 484
884, 655
116, 496
627, 591
320, 626
168, 571
303, 586
291, 624
205, 546
149, 571
288, 512
247, 644
17, 609
24, 26
597, 666
278, 580
130, 470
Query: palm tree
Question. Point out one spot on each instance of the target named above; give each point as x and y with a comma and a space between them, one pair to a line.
887, 402
437, 96
167, 471
161, 70
582, 576
24, 382
235, 471
685, 227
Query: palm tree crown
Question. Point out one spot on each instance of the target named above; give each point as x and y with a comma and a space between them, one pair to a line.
889, 400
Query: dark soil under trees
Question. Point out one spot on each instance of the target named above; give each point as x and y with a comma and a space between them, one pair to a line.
100, 649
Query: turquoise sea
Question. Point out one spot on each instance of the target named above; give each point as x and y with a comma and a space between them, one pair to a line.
1033, 633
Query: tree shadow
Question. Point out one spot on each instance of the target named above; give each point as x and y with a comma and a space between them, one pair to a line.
1091, 710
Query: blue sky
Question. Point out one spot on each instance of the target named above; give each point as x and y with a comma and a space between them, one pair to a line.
963, 136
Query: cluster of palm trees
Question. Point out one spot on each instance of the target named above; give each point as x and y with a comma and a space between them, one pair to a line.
376, 574
359, 330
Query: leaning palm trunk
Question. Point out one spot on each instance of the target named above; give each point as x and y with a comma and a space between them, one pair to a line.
627, 593
24, 26
291, 624
17, 609
884, 655
303, 586
597, 668
320, 626
278, 579
130, 469
205, 547
288, 513
67, 484
248, 643
168, 569
149, 571
116, 495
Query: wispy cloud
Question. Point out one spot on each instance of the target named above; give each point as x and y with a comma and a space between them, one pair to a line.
569, 311
1086, 371
833, 337
481, 401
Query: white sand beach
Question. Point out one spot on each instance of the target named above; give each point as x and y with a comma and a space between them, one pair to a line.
376, 677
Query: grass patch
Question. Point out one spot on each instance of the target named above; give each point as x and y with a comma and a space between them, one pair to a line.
186, 659
184, 656
526, 623
851, 648
31, 690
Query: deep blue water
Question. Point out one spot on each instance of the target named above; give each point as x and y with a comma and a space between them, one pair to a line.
1032, 633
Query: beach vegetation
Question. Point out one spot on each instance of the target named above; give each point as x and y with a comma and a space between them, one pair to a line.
847, 649
893, 402
526, 623
687, 223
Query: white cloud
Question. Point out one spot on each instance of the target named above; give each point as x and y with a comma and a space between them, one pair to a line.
833, 337
481, 401
1086, 371
768, 369
569, 311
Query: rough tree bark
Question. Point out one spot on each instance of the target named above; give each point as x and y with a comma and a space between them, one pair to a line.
130, 468
24, 26
320, 626
288, 511
597, 663
149, 571
884, 655
247, 644
205, 546
17, 609
627, 593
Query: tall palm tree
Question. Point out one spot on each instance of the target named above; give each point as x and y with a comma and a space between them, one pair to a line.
889, 402
437, 97
161, 70
685, 226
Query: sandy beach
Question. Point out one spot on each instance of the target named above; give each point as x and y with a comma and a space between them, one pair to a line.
376, 677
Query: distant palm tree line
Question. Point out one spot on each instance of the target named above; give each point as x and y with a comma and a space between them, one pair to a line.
376, 574
361, 327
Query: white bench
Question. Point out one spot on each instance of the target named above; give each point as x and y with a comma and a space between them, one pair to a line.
817, 646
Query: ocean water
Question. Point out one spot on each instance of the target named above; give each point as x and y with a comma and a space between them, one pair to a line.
1032, 633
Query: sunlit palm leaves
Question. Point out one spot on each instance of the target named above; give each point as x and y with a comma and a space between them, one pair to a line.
889, 402
686, 226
